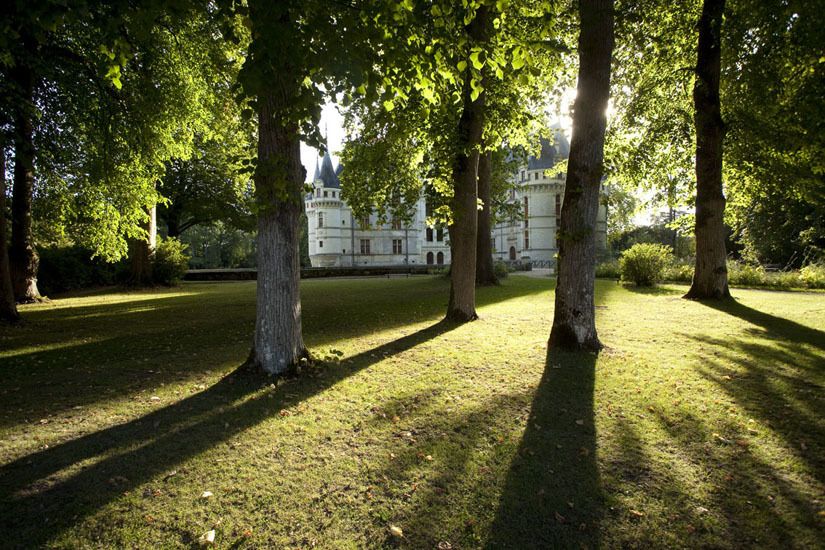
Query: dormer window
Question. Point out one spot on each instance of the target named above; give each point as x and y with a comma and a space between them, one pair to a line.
326, 194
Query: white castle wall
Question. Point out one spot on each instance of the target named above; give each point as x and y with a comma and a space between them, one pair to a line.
338, 242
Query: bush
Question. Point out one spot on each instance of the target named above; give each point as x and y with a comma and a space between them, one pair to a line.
645, 263
169, 262
608, 270
501, 270
813, 275
73, 268
746, 274
679, 272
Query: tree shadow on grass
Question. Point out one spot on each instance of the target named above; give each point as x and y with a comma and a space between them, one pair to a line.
81, 355
749, 500
552, 496
653, 290
45, 493
775, 327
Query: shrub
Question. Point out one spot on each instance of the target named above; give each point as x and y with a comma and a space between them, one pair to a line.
679, 272
608, 270
813, 275
501, 270
746, 274
645, 263
169, 262
73, 268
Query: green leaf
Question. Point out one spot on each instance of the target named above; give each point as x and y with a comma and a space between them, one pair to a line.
461, 65
389, 105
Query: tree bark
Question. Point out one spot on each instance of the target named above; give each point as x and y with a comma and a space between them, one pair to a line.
279, 343
574, 318
141, 250
485, 272
8, 308
23, 259
464, 204
710, 275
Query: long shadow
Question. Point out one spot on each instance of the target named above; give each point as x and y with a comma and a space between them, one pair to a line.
78, 356
781, 384
776, 327
552, 496
37, 504
752, 502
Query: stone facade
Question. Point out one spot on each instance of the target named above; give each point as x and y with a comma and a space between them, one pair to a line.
337, 239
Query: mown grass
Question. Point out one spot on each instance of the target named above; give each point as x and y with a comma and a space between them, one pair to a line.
699, 425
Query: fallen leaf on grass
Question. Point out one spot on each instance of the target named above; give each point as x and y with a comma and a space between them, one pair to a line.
637, 513
560, 518
396, 531
207, 539
207, 494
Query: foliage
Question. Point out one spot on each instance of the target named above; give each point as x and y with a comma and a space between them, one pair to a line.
501, 270
813, 275
644, 263
428, 60
683, 246
218, 245
122, 88
74, 268
169, 261
608, 270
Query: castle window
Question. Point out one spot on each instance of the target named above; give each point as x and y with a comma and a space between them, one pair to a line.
320, 244
325, 194
558, 208
429, 234
537, 175
344, 251
317, 191
320, 219
522, 175
364, 222
365, 246
526, 240
439, 258
396, 223
396, 246
430, 258
439, 234
526, 212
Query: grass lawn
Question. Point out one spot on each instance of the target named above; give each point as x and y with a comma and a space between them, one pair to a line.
698, 426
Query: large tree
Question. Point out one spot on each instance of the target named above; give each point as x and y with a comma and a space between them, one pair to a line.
8, 307
710, 277
574, 319
299, 52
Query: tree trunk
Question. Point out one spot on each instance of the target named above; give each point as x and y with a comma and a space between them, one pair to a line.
574, 318
485, 273
710, 275
279, 342
8, 308
141, 250
173, 220
464, 204
23, 259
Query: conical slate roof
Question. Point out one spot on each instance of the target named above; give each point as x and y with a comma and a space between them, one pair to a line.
550, 152
317, 175
328, 175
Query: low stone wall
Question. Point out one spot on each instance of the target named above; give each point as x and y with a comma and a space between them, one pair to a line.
250, 274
